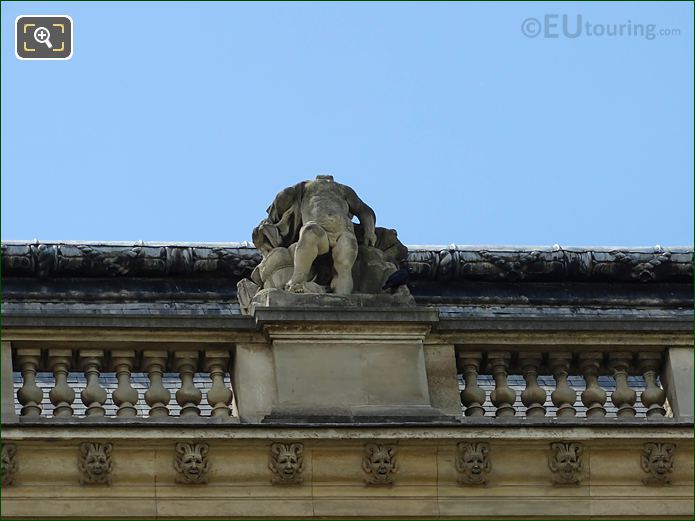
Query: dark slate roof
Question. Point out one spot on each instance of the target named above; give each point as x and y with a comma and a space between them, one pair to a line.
44, 282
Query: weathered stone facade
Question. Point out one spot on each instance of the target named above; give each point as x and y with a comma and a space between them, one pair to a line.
540, 383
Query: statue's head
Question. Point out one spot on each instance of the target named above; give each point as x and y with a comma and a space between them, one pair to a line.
286, 461
657, 458
266, 236
324, 177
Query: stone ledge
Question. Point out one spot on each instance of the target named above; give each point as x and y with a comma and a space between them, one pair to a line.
352, 315
566, 323
493, 429
275, 298
364, 414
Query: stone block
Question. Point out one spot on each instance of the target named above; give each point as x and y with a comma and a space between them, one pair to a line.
442, 378
8, 410
678, 379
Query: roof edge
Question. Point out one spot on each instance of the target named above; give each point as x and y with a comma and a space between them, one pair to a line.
432, 263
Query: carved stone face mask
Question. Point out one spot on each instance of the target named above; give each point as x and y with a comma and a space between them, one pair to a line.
6, 460
9, 464
659, 462
567, 463
287, 464
474, 461
97, 464
192, 464
379, 464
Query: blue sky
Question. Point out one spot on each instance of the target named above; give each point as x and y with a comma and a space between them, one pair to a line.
181, 121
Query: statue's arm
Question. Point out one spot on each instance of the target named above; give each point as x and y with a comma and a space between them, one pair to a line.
364, 213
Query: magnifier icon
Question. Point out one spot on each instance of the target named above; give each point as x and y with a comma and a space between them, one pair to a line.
43, 35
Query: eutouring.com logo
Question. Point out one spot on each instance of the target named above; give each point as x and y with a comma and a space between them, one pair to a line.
575, 26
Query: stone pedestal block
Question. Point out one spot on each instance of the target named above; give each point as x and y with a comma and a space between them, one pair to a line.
339, 364
678, 377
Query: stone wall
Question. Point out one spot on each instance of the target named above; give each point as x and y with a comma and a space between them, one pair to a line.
426, 483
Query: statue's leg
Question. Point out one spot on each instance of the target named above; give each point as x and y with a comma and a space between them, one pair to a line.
344, 255
313, 242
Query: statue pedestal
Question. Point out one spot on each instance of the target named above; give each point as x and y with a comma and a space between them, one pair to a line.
337, 363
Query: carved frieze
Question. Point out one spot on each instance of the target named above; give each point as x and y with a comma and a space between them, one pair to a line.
643, 268
115, 260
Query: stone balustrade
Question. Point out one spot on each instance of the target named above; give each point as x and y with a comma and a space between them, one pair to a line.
159, 381
591, 384
105, 377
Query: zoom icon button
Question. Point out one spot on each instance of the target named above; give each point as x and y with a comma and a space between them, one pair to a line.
43, 37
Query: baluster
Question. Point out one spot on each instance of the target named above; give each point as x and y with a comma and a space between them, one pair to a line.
563, 396
157, 396
62, 395
188, 397
29, 395
219, 397
503, 396
125, 396
94, 395
623, 397
472, 396
534, 396
593, 396
653, 397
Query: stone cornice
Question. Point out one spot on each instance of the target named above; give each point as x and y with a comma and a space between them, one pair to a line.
429, 263
518, 429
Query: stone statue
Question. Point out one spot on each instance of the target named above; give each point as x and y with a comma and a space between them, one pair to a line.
310, 244
326, 210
